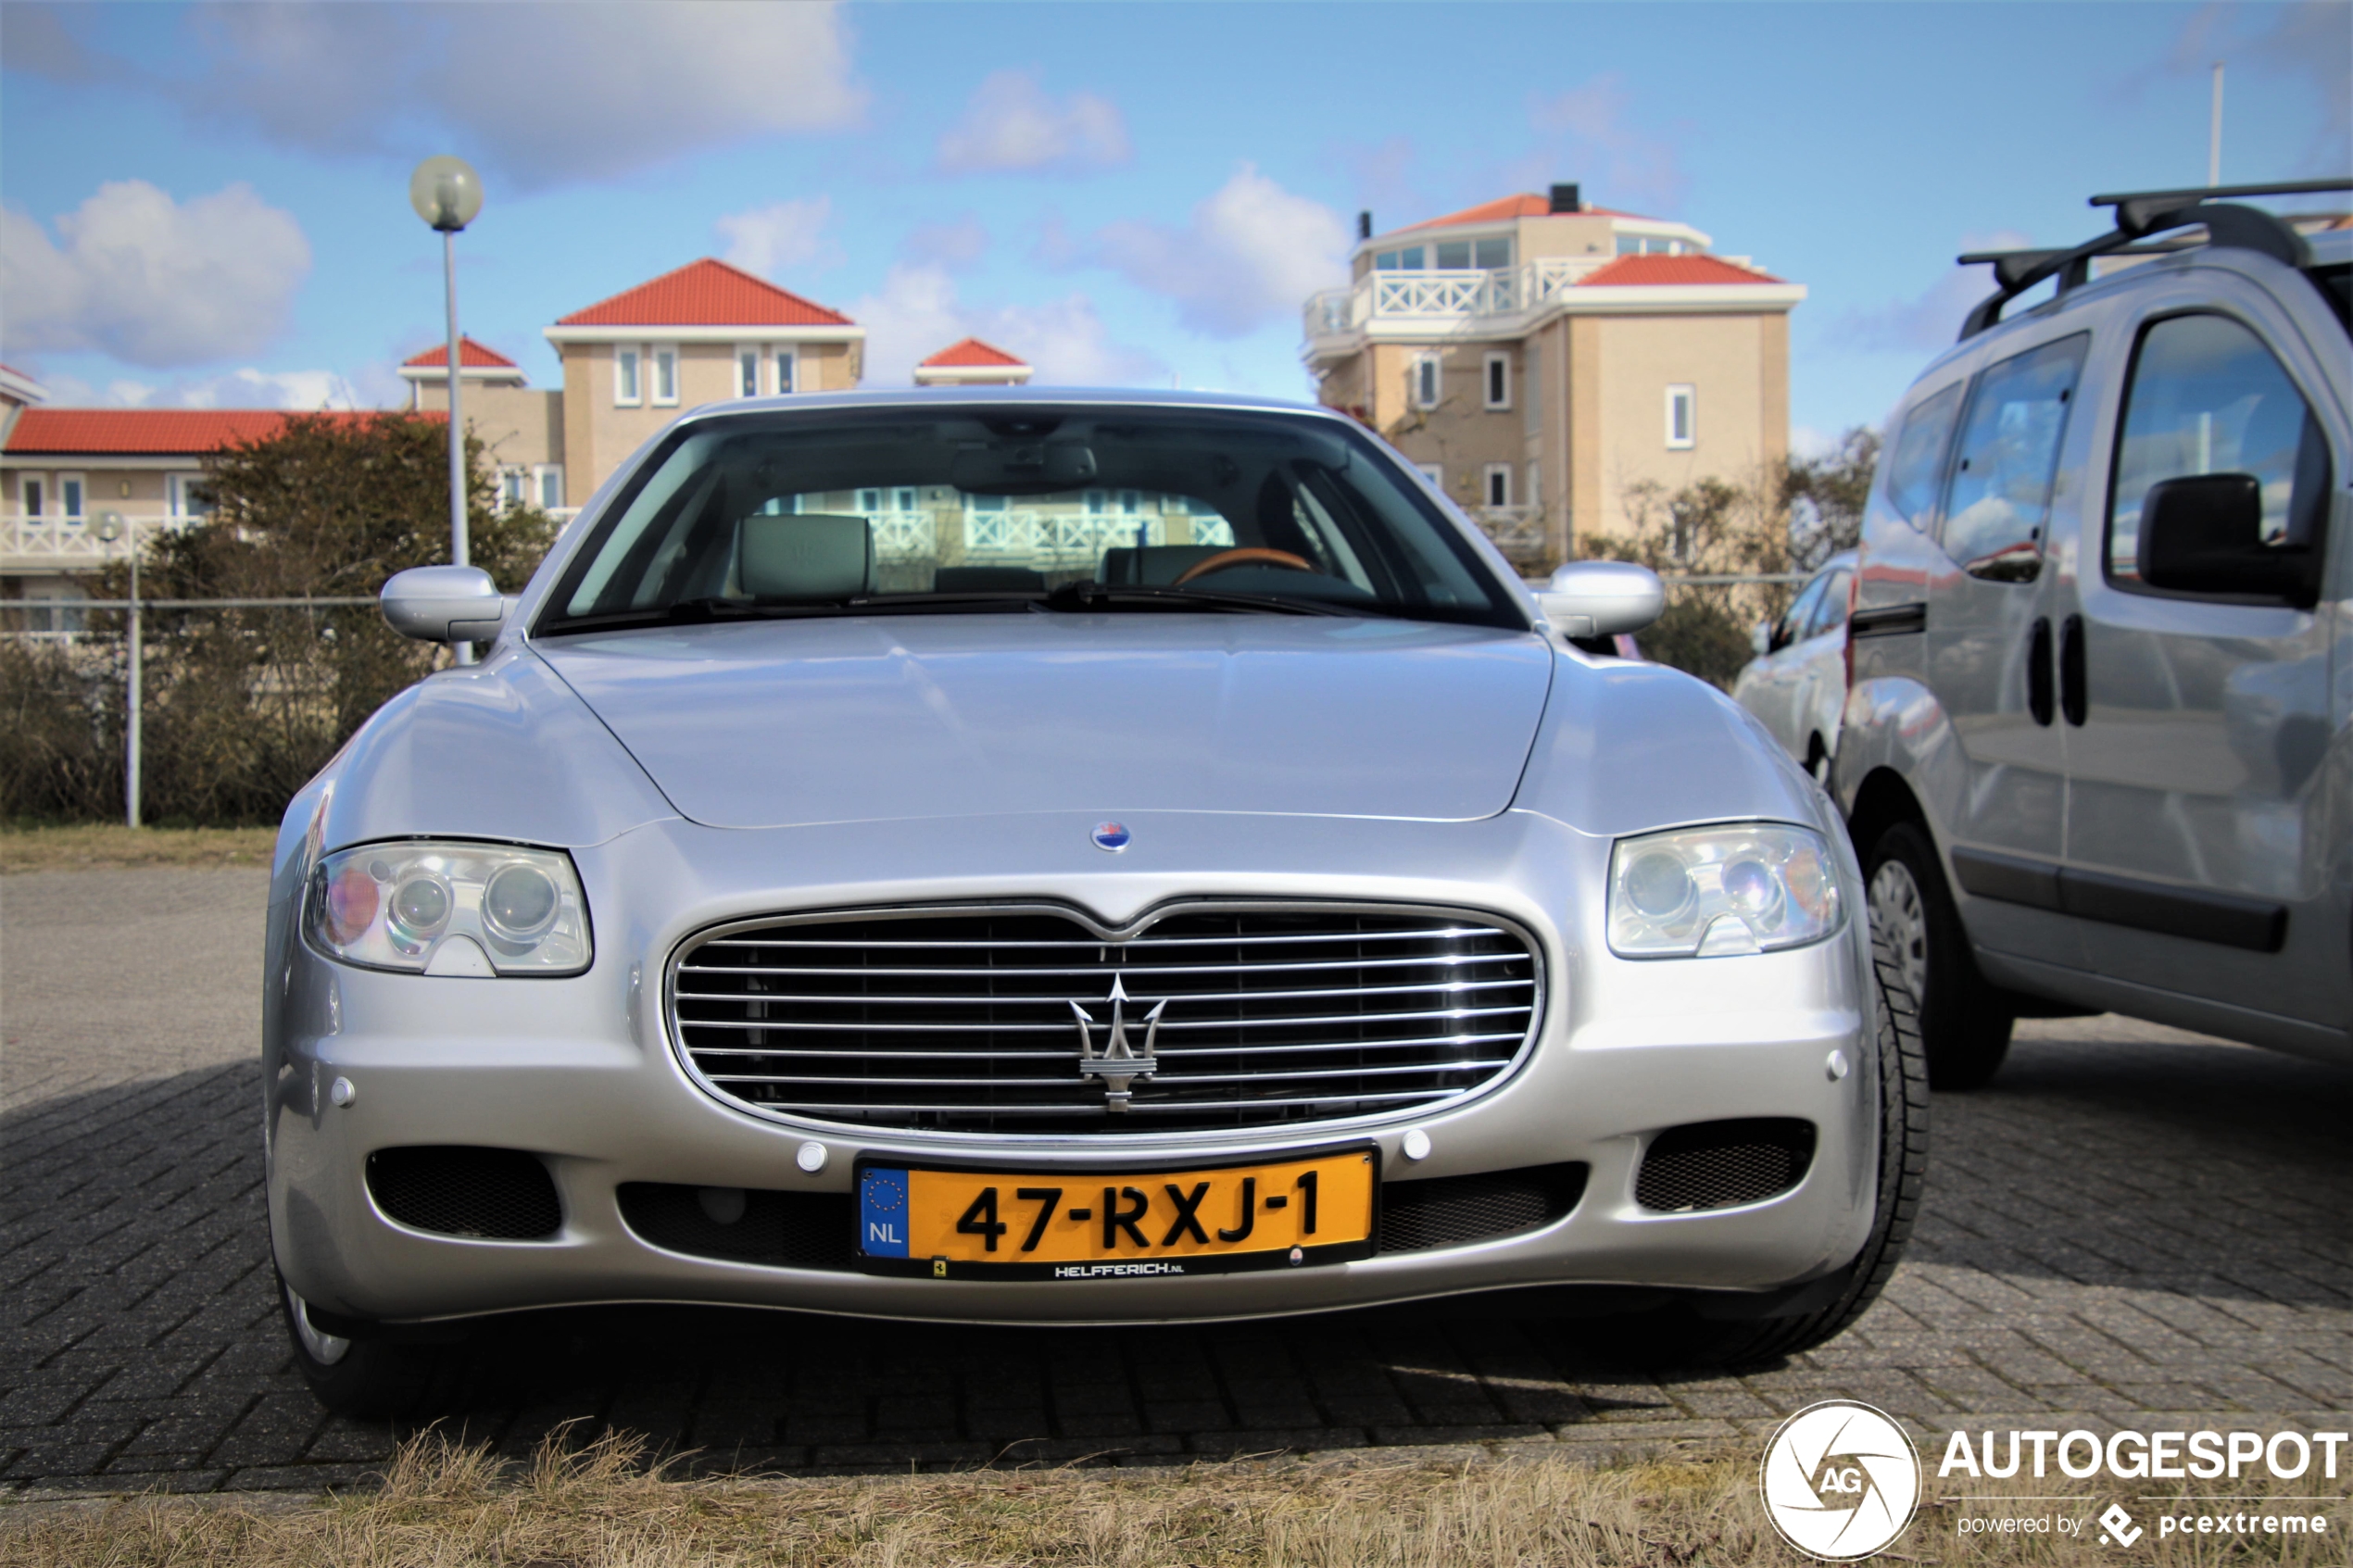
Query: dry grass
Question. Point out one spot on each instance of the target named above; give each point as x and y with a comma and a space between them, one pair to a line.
81, 846
444, 1506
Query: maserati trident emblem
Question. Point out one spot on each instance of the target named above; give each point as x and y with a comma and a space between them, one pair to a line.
1118, 1063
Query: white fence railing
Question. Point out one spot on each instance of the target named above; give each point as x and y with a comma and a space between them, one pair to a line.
1436, 296
70, 538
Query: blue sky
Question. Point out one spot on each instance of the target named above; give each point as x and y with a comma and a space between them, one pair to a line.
206, 204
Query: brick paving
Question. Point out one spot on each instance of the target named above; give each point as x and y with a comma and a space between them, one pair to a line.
2130, 1224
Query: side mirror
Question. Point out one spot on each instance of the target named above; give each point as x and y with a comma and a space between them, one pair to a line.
2203, 534
1760, 638
444, 604
1602, 598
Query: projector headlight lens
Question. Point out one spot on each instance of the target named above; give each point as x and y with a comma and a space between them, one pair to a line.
1672, 894
388, 906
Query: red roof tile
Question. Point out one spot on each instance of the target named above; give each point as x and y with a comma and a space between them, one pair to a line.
972, 351
706, 293
1656, 269
155, 431
1522, 205
471, 355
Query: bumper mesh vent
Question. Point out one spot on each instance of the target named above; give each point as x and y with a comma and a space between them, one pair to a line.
491, 1194
1723, 1165
968, 1021
1457, 1211
784, 1230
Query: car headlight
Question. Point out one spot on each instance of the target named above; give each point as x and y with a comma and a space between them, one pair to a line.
1742, 888
449, 908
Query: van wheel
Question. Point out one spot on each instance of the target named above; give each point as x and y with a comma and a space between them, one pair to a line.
1681, 1336
367, 1378
1964, 1023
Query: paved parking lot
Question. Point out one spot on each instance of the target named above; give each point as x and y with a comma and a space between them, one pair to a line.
2129, 1221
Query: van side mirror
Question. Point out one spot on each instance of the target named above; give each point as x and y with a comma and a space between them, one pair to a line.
444, 604
2203, 534
1602, 598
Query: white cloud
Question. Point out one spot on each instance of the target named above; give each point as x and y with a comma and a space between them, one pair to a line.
1012, 126
767, 239
1587, 134
917, 312
1252, 252
541, 94
150, 280
246, 388
955, 245
1932, 319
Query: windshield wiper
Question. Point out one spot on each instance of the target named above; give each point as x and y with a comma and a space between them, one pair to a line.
702, 611
1085, 595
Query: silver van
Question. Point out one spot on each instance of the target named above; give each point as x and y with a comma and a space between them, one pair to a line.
1796, 684
2095, 754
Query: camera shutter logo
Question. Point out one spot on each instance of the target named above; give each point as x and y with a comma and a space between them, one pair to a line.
1839, 1480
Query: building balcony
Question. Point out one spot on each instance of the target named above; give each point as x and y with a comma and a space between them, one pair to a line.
1438, 304
66, 544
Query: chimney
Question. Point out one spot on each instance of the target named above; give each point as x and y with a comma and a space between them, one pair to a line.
1564, 199
1364, 225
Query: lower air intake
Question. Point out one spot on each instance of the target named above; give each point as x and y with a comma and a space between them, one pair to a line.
1457, 1211
1724, 1164
490, 1194
782, 1230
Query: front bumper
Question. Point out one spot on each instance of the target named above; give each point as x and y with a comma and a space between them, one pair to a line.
580, 1071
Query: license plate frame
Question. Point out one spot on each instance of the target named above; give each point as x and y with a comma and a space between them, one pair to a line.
1128, 1178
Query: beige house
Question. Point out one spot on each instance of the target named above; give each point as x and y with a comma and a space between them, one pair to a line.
522, 430
703, 333
971, 363
1539, 358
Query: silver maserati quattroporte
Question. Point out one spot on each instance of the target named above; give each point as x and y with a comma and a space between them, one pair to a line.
1002, 857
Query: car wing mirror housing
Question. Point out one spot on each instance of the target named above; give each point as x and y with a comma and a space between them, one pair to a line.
1602, 598
444, 604
2203, 534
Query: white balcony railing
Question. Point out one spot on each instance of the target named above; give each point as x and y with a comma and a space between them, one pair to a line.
1519, 532
1435, 297
69, 541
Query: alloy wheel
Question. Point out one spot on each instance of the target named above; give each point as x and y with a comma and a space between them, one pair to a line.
1898, 910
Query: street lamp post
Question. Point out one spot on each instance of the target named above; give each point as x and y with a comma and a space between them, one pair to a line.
110, 527
446, 194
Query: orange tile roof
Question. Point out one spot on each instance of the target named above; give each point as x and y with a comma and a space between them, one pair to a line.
972, 351
1523, 206
157, 430
1656, 269
706, 293
471, 355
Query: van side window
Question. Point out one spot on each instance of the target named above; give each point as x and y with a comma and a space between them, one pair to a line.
1918, 460
2000, 500
2206, 397
1800, 615
1830, 610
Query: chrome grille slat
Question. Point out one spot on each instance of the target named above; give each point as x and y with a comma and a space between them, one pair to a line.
960, 1026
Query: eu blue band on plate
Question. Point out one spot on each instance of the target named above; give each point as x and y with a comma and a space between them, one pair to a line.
882, 1213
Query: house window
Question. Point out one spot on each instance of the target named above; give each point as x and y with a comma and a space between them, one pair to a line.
1683, 417
34, 496
514, 488
787, 371
69, 495
547, 479
1454, 255
1407, 260
1425, 372
870, 501
1499, 381
747, 372
665, 375
626, 390
1435, 473
1492, 255
180, 496
1499, 484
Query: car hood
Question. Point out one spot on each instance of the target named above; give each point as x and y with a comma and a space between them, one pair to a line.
780, 723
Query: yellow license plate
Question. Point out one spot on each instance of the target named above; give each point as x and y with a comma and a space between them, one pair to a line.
1134, 1224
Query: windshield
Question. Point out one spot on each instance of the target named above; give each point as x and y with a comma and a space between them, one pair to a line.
1017, 508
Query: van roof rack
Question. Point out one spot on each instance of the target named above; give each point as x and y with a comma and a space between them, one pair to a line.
2140, 214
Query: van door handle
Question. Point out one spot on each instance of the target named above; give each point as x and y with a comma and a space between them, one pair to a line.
2038, 671
2075, 699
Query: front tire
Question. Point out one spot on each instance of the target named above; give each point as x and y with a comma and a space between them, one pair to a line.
1964, 1025
366, 1378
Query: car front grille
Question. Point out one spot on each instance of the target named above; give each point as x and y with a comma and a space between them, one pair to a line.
967, 1020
